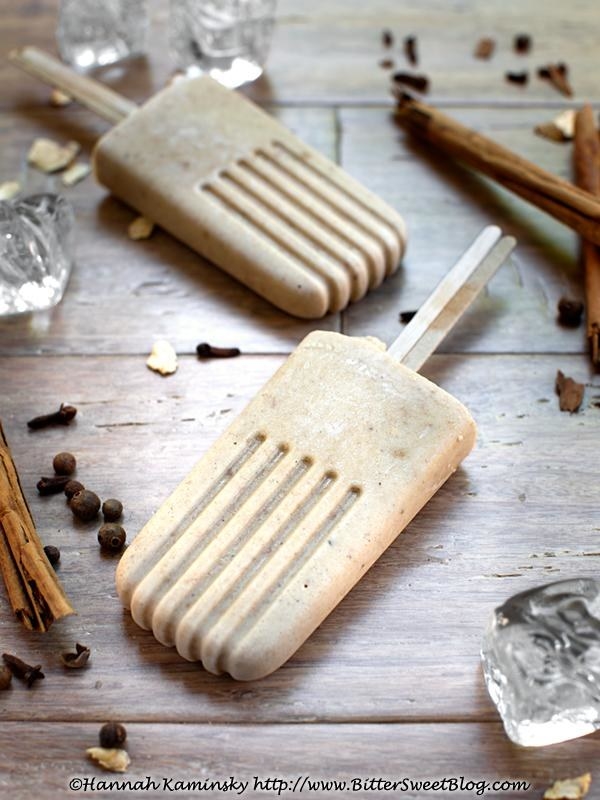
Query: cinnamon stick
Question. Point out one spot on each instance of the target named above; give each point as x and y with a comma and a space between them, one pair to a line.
569, 204
34, 592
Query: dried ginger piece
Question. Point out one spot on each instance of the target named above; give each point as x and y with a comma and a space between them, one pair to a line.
140, 228
569, 789
163, 358
111, 758
9, 189
570, 393
49, 156
75, 173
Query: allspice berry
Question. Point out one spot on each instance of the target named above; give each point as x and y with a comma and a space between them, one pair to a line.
112, 509
111, 537
85, 505
112, 734
52, 554
64, 463
72, 487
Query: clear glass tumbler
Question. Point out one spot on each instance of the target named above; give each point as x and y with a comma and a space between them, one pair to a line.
93, 33
228, 39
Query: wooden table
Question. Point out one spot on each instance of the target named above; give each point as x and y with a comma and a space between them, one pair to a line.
390, 685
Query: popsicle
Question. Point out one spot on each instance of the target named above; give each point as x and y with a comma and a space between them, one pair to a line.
235, 185
305, 490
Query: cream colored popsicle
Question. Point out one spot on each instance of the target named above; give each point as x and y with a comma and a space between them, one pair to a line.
235, 185
304, 491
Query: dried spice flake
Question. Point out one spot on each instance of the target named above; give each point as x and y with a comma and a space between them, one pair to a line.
60, 99
420, 83
410, 50
76, 173
49, 156
569, 789
78, 659
140, 228
386, 63
9, 189
387, 38
520, 78
485, 48
570, 393
163, 358
560, 129
111, 758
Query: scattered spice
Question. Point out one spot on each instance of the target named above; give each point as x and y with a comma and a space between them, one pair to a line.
49, 156
406, 316
25, 672
140, 228
570, 312
85, 505
5, 678
420, 83
78, 659
387, 38
112, 734
410, 50
386, 63
64, 463
112, 509
60, 99
53, 485
569, 789
560, 129
570, 393
112, 759
52, 554
63, 416
163, 358
558, 75
72, 487
520, 78
485, 48
75, 173
205, 350
9, 189
522, 43
111, 537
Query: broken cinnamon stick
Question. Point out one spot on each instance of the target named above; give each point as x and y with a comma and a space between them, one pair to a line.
571, 205
34, 592
587, 174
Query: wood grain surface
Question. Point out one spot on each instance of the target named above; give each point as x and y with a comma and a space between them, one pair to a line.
390, 685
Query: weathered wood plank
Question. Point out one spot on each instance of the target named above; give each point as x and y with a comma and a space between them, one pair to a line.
520, 512
124, 294
39, 760
445, 206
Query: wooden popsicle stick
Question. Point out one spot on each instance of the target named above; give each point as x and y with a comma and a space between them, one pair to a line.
571, 205
451, 298
90, 93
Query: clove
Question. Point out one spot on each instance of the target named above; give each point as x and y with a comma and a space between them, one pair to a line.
63, 416
54, 485
206, 350
420, 83
26, 672
517, 77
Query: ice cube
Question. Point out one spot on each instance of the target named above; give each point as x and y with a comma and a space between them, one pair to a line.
541, 662
35, 252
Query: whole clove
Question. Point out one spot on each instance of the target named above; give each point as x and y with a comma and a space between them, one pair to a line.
63, 416
570, 312
52, 485
387, 38
5, 678
25, 672
522, 43
52, 554
420, 83
112, 734
72, 487
410, 50
78, 659
64, 463
520, 78
205, 350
